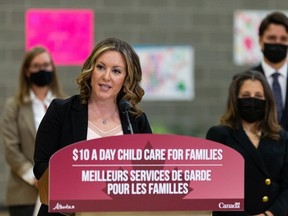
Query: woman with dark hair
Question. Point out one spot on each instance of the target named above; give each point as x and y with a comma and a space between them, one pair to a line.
249, 125
112, 72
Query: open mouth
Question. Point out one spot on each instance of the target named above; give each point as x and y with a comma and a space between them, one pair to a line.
104, 87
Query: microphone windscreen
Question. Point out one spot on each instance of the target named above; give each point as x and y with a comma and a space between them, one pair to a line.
124, 105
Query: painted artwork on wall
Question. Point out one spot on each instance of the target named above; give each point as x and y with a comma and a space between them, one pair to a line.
67, 34
168, 72
246, 46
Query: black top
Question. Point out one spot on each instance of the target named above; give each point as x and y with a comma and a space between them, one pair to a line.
66, 122
268, 162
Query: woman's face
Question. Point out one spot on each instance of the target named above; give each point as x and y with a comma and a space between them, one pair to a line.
108, 76
251, 88
40, 62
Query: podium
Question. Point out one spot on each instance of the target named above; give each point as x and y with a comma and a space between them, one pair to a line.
178, 213
144, 174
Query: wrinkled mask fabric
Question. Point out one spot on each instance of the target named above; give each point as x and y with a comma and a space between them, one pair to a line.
275, 52
251, 109
41, 78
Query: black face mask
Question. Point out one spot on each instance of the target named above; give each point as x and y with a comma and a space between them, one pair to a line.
251, 109
275, 52
41, 78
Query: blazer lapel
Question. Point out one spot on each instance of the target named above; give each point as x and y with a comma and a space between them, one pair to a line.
259, 68
27, 114
79, 120
284, 120
241, 138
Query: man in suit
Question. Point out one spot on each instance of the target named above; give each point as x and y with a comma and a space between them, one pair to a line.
273, 40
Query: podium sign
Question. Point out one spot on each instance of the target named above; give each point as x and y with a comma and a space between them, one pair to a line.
146, 172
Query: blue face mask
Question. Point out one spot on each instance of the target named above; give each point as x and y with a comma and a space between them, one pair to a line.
251, 109
41, 78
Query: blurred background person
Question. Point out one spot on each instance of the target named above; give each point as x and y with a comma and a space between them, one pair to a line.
38, 86
112, 72
250, 126
273, 40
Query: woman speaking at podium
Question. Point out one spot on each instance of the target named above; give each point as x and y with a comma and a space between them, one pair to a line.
107, 105
250, 126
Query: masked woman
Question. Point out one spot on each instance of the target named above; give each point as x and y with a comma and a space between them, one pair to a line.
38, 86
250, 126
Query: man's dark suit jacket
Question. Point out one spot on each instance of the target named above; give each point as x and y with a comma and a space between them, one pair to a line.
268, 161
66, 122
284, 120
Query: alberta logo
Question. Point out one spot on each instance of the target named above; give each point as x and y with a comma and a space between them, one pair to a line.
60, 206
223, 205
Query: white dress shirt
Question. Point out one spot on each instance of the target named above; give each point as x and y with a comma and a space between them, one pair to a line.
39, 108
268, 71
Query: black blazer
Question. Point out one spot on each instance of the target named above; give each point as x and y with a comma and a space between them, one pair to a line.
66, 122
268, 161
284, 120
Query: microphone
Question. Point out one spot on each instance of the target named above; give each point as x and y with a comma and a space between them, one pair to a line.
124, 106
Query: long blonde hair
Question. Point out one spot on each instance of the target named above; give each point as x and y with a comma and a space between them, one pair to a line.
131, 89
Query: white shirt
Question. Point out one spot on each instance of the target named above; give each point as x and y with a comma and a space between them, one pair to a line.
268, 71
39, 107
94, 132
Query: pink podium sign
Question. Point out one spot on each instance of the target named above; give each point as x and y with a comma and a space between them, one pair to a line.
146, 172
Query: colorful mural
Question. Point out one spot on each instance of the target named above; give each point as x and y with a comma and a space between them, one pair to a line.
246, 46
168, 72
